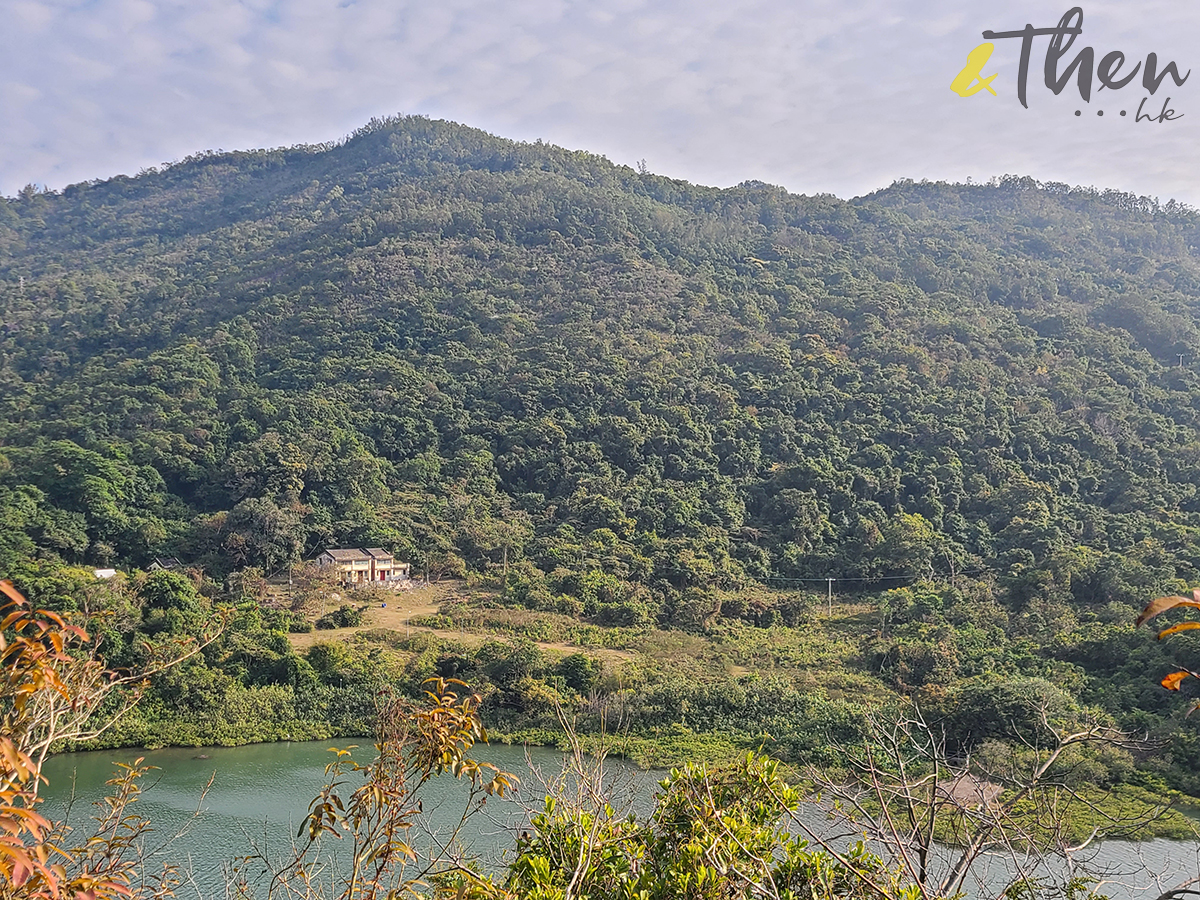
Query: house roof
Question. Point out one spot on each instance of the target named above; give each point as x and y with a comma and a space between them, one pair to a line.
166, 562
354, 554
347, 555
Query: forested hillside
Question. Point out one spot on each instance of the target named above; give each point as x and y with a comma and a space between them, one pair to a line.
644, 401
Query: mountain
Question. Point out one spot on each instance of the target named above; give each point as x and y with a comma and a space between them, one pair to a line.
633, 401
321, 343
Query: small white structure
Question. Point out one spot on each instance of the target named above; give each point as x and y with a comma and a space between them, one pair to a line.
105, 574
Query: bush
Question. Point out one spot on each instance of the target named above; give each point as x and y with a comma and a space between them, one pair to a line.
579, 672
345, 616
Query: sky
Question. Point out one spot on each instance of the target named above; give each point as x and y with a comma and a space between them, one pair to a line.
820, 96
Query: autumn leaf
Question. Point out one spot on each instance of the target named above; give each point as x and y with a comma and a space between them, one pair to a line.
1171, 682
1175, 629
1162, 604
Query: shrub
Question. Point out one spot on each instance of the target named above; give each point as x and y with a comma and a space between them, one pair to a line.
345, 616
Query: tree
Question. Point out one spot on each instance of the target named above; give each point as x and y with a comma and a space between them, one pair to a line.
53, 688
61, 690
714, 834
906, 793
265, 534
509, 534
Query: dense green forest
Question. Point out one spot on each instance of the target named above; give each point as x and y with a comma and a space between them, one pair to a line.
658, 414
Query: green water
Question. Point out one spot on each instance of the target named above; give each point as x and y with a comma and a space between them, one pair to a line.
259, 796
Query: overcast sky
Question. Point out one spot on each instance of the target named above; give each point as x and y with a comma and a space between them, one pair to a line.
840, 97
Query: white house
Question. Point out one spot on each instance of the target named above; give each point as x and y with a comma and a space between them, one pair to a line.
357, 566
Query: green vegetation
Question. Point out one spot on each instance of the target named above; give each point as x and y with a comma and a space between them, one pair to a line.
712, 834
345, 616
649, 419
723, 831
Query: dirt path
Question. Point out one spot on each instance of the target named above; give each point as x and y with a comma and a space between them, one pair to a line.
408, 605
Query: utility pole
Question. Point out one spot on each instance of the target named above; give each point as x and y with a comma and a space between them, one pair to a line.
1181, 356
829, 597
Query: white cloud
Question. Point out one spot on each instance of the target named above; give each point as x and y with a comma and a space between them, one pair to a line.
815, 95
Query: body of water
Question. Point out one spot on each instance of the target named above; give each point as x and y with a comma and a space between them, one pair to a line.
259, 796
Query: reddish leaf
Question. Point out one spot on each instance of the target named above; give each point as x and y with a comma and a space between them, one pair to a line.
21, 871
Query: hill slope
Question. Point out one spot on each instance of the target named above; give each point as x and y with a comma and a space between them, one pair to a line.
779, 378
629, 392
